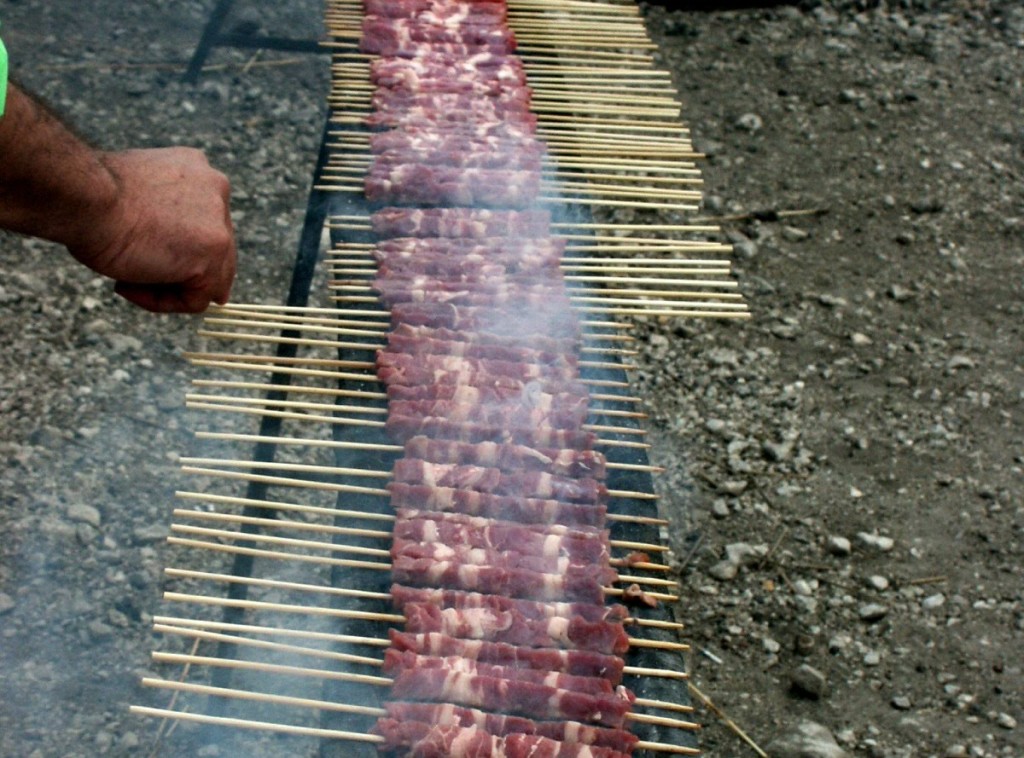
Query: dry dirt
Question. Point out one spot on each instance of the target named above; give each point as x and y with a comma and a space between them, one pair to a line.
844, 470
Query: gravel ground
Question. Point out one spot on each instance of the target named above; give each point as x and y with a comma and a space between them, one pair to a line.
853, 558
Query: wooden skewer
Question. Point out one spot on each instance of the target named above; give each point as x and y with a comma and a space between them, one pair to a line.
590, 40
350, 167
359, 285
563, 90
536, 56
345, 18
312, 510
366, 395
354, 277
306, 310
358, 95
334, 392
278, 505
366, 515
346, 421
273, 631
258, 697
195, 399
374, 346
330, 655
591, 272
580, 300
263, 323
276, 523
248, 362
390, 618
276, 668
304, 731
342, 471
229, 436
546, 199
325, 705
609, 244
333, 547
263, 726
344, 592
370, 328
353, 489
561, 163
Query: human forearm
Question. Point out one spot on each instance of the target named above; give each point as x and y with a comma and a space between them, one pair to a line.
51, 182
155, 221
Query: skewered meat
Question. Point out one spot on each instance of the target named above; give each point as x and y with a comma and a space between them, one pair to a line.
524, 698
483, 262
426, 289
417, 140
401, 367
477, 223
401, 341
521, 414
404, 37
448, 529
470, 503
581, 662
574, 395
575, 583
424, 740
498, 724
400, 595
550, 319
495, 481
511, 560
504, 99
415, 184
474, 117
534, 342
396, 662
402, 8
508, 457
401, 428
391, 71
493, 160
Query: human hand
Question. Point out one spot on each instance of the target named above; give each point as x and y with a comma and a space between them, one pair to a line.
167, 240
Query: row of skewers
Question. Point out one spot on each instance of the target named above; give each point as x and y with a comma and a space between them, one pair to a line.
487, 356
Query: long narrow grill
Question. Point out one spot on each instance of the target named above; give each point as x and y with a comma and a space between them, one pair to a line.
449, 540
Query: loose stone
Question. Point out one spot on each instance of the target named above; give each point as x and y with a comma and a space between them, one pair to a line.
808, 682
872, 612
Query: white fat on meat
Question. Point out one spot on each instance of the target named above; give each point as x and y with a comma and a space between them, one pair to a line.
558, 629
552, 545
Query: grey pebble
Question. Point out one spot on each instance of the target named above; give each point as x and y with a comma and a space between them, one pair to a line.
878, 582
807, 740
806, 681
1006, 721
839, 546
901, 703
872, 612
749, 122
6, 603
899, 293
874, 541
724, 571
85, 514
959, 362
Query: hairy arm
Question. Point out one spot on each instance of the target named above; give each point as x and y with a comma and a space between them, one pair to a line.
155, 221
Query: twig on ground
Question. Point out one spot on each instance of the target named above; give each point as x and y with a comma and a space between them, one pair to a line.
733, 726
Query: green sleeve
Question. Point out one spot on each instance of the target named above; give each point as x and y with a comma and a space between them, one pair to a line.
3, 76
